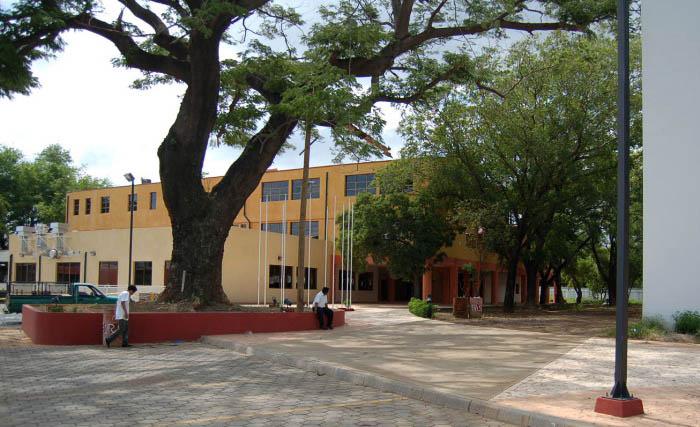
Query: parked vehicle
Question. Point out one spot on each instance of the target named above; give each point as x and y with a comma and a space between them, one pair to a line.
53, 293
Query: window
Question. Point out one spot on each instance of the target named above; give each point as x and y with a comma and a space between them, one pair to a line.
76, 207
142, 273
104, 204
343, 280
136, 202
275, 191
166, 273
311, 229
275, 276
356, 184
272, 227
365, 281
88, 206
25, 273
68, 272
310, 276
153, 200
314, 188
109, 272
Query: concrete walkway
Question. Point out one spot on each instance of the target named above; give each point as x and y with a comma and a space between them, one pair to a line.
468, 361
552, 375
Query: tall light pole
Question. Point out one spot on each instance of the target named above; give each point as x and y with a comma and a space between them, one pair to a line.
129, 177
621, 403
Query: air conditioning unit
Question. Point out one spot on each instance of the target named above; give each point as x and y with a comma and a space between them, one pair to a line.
24, 230
59, 228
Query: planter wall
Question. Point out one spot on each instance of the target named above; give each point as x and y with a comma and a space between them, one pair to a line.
86, 328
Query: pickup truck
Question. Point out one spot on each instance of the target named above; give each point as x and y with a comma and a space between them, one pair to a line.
76, 293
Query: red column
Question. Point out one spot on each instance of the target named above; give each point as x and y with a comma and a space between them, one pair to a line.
427, 283
523, 289
494, 287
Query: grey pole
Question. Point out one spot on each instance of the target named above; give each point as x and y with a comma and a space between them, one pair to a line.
131, 228
619, 390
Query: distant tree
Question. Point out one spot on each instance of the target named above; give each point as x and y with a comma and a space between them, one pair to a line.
35, 191
400, 230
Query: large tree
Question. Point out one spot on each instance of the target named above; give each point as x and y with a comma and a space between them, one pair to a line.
399, 47
529, 157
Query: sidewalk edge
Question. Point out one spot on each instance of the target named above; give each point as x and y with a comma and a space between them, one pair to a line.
414, 391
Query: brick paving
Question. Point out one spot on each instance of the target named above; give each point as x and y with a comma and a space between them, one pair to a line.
190, 385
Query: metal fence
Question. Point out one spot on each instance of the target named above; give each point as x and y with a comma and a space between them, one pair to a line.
636, 294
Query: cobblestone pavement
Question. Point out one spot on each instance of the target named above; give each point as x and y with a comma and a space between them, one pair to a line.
189, 384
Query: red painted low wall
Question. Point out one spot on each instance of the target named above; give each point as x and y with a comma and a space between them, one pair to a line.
86, 328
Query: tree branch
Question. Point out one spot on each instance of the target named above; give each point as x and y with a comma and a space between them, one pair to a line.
174, 45
135, 56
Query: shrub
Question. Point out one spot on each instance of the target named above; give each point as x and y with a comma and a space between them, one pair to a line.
647, 328
421, 308
687, 322
54, 308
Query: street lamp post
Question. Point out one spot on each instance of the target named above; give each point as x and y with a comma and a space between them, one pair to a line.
129, 177
621, 403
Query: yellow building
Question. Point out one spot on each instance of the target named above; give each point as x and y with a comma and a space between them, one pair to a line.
95, 246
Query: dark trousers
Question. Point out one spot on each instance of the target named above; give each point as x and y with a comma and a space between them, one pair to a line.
123, 330
327, 312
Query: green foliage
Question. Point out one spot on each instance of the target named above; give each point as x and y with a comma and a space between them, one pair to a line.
648, 328
400, 230
421, 308
687, 322
55, 308
35, 191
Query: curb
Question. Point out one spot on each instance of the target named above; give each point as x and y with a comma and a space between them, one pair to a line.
414, 391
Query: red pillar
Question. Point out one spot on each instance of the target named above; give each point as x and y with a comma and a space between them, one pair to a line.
427, 283
494, 287
523, 289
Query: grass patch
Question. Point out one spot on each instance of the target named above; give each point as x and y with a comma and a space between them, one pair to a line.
649, 328
687, 322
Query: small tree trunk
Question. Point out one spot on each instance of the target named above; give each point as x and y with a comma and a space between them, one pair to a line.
557, 283
301, 277
612, 274
544, 289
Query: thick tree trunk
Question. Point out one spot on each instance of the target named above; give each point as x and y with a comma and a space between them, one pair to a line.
531, 273
559, 299
201, 220
301, 253
544, 291
509, 298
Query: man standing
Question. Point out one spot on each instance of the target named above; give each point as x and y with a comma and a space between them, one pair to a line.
321, 306
122, 316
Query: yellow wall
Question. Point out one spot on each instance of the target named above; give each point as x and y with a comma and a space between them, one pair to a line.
144, 217
239, 276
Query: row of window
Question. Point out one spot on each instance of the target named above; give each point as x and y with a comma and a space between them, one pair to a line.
279, 190
278, 227
69, 272
105, 204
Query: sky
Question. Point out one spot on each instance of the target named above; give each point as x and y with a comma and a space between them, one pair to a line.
85, 105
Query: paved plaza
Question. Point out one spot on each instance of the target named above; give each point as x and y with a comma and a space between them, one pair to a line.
188, 384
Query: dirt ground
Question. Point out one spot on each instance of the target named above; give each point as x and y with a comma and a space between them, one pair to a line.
588, 321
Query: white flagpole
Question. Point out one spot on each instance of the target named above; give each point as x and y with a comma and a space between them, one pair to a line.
342, 258
348, 263
325, 253
352, 243
333, 253
267, 232
283, 275
308, 271
259, 247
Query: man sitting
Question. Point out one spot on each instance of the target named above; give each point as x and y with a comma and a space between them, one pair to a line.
322, 310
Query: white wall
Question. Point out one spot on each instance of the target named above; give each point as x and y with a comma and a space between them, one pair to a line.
671, 73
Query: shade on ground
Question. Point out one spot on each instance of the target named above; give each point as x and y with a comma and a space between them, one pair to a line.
469, 361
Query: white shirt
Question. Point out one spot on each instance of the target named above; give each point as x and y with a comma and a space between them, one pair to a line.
320, 299
123, 297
